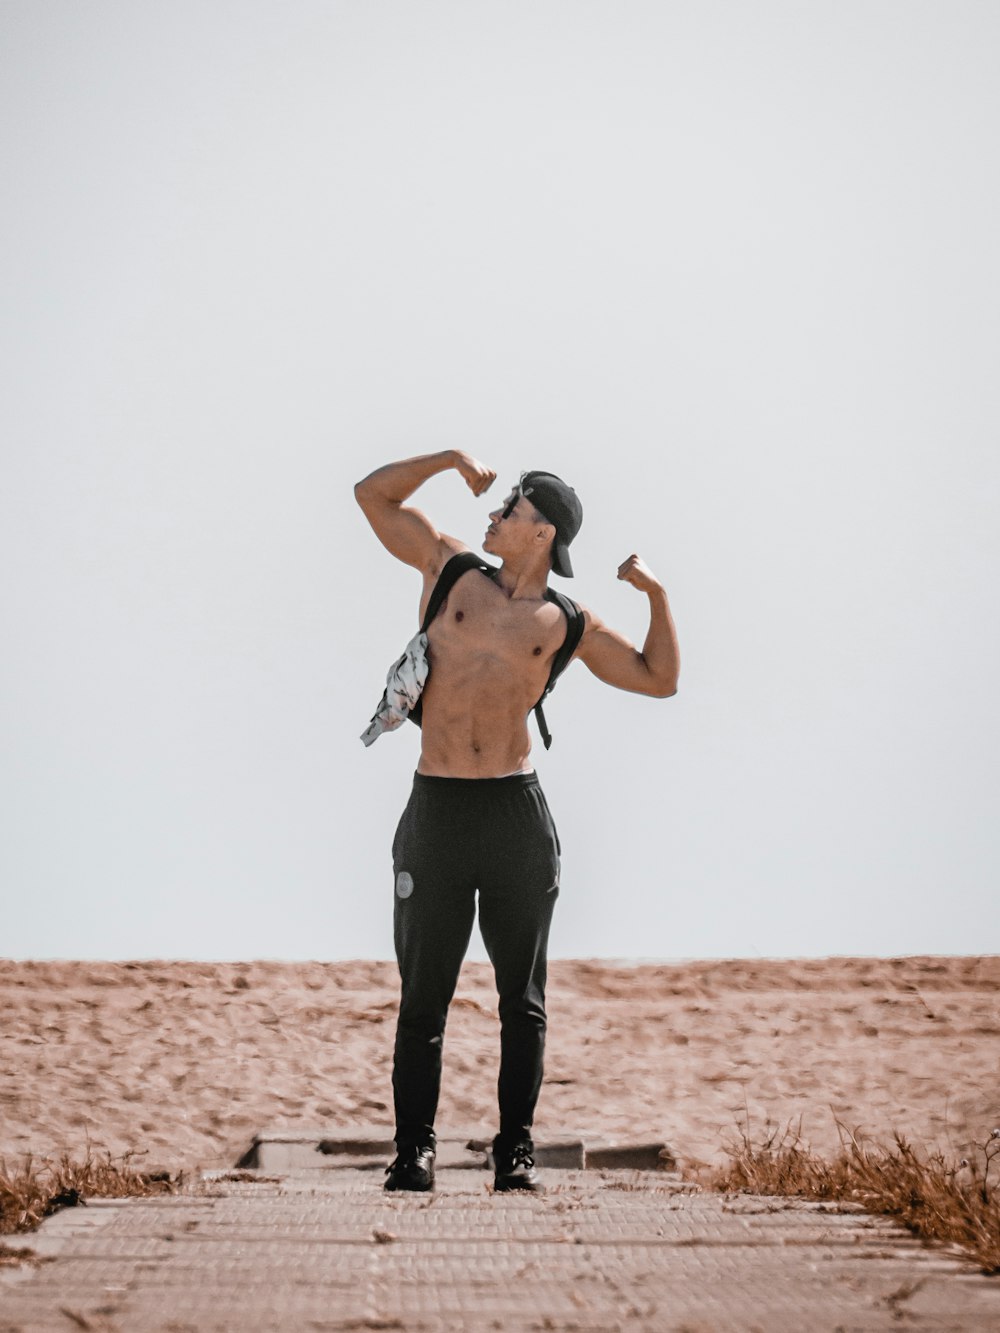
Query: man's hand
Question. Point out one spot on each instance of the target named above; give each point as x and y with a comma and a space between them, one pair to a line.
478, 477
634, 570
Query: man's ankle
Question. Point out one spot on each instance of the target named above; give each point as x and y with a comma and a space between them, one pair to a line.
416, 1140
507, 1140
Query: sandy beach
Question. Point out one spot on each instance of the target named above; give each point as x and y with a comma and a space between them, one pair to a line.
186, 1061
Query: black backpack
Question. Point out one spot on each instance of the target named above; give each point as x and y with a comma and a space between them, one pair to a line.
454, 569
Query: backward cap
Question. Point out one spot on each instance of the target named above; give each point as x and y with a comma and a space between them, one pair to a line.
559, 505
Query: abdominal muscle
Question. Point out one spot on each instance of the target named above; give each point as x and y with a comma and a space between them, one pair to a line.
475, 721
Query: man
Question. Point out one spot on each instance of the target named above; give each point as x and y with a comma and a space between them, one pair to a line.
476, 818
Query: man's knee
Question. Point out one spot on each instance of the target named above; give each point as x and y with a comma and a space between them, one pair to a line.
420, 1024
526, 1010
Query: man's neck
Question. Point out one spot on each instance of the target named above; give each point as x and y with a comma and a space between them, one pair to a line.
528, 582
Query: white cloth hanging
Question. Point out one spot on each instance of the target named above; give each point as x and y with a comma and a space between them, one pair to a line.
403, 687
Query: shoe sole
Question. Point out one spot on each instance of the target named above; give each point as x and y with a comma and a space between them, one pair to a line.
511, 1187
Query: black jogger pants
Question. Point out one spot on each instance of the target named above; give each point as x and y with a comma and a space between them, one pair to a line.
457, 836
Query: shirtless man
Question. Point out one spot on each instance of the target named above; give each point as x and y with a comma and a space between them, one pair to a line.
477, 818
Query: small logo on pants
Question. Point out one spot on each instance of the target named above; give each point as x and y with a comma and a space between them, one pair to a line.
404, 884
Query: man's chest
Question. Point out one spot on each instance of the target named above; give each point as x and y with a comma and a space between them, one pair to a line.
478, 618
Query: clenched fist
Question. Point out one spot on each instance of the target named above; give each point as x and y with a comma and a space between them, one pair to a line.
478, 477
634, 570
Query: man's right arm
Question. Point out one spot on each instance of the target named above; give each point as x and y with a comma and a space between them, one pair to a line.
407, 533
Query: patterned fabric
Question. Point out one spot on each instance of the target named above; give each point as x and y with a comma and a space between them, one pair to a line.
403, 687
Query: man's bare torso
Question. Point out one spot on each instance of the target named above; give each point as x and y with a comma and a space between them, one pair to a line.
493, 643
490, 656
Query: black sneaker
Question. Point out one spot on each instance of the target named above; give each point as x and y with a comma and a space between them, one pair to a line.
514, 1167
413, 1169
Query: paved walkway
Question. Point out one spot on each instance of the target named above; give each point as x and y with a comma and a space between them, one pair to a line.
601, 1251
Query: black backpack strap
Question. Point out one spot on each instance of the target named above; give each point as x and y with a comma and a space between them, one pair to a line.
453, 570
574, 632
450, 574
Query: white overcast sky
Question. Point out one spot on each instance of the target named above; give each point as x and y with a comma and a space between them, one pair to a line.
730, 268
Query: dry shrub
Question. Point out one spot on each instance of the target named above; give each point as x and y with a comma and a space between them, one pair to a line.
942, 1201
33, 1190
13, 1256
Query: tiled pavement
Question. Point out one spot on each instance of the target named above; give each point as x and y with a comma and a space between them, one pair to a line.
602, 1250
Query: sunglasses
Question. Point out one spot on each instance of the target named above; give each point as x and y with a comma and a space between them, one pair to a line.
515, 495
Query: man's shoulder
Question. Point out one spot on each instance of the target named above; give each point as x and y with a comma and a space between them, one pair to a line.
453, 563
562, 598
576, 620
447, 549
578, 615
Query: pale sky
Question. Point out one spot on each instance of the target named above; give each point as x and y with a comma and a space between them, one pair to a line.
731, 269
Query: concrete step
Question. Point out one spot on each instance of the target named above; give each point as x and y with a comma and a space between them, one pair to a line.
278, 1150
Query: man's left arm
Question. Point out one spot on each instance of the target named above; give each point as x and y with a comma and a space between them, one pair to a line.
616, 661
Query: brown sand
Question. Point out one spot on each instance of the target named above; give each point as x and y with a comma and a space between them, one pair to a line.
188, 1060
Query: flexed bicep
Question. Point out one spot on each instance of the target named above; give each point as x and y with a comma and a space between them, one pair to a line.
613, 658
617, 661
408, 533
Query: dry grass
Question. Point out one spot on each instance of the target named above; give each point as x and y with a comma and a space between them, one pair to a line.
13, 1256
953, 1202
35, 1189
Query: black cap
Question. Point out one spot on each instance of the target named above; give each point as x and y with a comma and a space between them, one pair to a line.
559, 505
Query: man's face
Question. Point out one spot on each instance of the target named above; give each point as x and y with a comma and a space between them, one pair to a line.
513, 526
